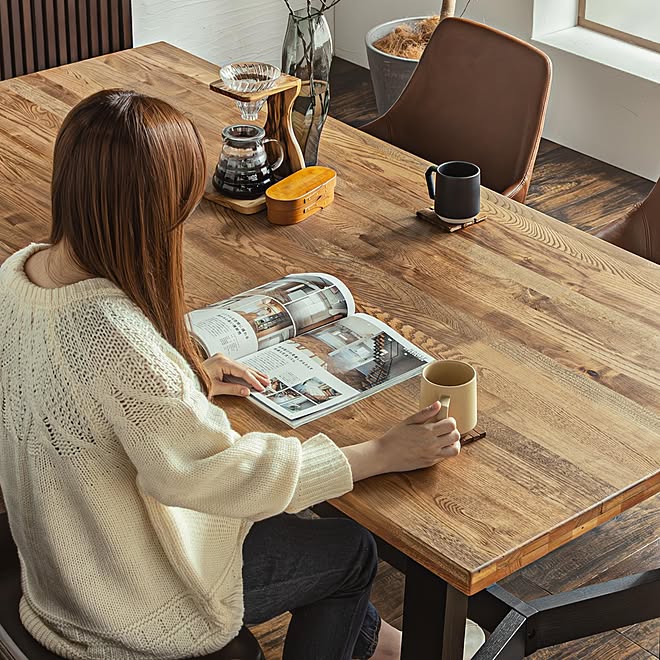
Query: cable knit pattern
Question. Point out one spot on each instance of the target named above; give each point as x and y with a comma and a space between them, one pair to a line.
129, 495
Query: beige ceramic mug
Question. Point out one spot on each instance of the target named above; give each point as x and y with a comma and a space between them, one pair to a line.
454, 384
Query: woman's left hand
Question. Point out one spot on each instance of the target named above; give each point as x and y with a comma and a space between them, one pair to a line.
219, 367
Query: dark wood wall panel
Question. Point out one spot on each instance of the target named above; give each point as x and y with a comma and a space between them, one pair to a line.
39, 34
60, 31
5, 38
83, 27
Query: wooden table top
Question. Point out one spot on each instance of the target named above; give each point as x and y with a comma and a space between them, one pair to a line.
562, 328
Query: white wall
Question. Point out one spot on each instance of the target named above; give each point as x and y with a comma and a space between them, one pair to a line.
221, 31
594, 108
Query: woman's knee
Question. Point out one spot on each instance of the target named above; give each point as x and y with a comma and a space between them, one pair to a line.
365, 556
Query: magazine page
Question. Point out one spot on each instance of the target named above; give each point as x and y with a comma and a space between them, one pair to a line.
270, 314
332, 366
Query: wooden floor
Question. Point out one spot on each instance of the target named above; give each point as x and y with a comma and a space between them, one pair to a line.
586, 193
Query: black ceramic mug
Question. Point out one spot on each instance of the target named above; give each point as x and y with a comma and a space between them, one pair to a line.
456, 193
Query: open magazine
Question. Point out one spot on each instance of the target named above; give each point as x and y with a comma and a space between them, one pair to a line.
302, 330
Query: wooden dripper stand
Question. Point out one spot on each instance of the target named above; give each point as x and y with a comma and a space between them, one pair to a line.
280, 98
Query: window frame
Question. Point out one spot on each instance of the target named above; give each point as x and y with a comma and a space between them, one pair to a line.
584, 22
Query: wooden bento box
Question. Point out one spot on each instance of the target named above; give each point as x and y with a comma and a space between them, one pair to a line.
300, 195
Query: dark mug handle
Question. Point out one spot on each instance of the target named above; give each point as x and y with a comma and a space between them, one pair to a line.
429, 180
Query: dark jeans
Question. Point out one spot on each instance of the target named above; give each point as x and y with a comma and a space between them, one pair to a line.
321, 571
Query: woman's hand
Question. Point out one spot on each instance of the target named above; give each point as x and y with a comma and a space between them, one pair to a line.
219, 368
417, 442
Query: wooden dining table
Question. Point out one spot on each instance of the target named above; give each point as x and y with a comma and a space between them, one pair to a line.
562, 328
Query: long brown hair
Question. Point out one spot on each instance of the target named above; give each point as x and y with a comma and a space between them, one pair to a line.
128, 170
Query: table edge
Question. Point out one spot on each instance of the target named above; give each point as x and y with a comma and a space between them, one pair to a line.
472, 581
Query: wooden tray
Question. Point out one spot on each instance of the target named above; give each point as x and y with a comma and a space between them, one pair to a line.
244, 206
430, 216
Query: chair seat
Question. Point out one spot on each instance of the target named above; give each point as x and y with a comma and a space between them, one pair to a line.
639, 230
18, 644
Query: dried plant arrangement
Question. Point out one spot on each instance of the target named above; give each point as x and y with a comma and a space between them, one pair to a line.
410, 40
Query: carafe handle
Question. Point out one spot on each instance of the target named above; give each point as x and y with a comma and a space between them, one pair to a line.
280, 158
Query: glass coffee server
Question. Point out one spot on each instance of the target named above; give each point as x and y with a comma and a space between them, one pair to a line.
244, 171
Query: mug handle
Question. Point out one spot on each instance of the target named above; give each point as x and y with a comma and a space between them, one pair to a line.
280, 158
429, 180
444, 408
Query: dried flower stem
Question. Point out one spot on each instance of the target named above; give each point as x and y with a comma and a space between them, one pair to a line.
312, 11
289, 7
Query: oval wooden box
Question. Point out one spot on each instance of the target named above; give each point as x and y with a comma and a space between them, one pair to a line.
300, 195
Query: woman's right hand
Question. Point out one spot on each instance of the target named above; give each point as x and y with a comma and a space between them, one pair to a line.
417, 442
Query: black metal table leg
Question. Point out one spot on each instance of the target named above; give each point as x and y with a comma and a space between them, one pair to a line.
434, 615
571, 615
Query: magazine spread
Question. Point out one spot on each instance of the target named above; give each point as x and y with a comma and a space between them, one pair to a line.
302, 330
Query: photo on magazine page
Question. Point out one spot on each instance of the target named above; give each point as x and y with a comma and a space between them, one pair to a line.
332, 366
270, 314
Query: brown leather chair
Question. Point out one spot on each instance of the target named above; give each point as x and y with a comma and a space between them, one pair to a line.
479, 95
17, 644
639, 230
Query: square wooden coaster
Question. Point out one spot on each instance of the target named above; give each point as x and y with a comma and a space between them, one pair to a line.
472, 436
244, 206
430, 216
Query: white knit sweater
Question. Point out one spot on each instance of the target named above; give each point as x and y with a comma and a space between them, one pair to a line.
129, 495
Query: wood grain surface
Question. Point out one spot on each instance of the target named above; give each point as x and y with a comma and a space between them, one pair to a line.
561, 327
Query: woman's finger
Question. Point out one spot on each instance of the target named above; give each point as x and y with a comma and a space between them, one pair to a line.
444, 426
451, 450
448, 439
245, 373
425, 415
229, 389
262, 378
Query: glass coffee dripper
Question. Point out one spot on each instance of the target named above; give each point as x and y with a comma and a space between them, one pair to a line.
249, 77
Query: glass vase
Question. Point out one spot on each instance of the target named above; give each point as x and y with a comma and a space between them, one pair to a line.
307, 54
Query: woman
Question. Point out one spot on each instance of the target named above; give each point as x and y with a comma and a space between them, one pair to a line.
147, 527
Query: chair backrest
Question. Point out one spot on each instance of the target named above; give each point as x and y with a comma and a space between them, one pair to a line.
10, 589
40, 34
479, 95
639, 230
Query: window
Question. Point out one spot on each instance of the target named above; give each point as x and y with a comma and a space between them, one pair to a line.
634, 21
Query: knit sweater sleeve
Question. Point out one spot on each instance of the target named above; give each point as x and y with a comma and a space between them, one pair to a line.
187, 455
